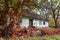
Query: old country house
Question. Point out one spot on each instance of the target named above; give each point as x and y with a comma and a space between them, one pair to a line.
30, 19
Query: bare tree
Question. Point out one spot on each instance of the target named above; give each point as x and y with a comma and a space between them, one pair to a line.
53, 6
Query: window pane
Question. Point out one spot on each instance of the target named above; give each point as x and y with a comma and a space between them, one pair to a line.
43, 23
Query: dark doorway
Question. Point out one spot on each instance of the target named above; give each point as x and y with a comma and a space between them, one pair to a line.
30, 22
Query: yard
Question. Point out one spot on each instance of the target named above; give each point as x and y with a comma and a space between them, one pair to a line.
46, 37
35, 34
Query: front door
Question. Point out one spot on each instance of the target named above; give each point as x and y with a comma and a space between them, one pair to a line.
30, 22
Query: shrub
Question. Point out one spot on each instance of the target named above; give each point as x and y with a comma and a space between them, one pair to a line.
47, 31
57, 30
25, 32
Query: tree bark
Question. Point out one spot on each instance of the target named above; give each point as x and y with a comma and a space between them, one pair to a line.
55, 23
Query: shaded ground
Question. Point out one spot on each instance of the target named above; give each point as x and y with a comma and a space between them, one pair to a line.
46, 37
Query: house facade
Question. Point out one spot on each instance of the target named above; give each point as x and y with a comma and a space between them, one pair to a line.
29, 19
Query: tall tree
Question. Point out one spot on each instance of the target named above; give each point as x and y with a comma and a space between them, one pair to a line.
14, 9
53, 6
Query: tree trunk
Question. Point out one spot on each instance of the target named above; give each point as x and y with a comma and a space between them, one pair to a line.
55, 23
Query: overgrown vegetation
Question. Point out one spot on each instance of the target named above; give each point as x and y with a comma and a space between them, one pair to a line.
46, 37
14, 10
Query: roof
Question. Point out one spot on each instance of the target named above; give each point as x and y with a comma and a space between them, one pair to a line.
32, 15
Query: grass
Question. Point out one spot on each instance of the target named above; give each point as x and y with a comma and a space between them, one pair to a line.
46, 37
52, 37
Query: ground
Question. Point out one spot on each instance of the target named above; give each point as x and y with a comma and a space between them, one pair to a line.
46, 37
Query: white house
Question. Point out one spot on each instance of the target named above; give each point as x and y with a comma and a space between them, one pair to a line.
30, 19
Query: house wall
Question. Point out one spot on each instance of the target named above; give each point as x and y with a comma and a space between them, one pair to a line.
36, 23
40, 23
46, 24
25, 22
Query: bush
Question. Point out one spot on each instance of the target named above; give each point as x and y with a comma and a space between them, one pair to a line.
57, 30
32, 31
47, 31
38, 32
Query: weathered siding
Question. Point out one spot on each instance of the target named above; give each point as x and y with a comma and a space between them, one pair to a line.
44, 25
36, 23
25, 22
40, 23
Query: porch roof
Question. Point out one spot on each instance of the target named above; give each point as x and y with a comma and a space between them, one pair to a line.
32, 15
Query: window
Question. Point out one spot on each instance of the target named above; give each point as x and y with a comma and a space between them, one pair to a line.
43, 23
